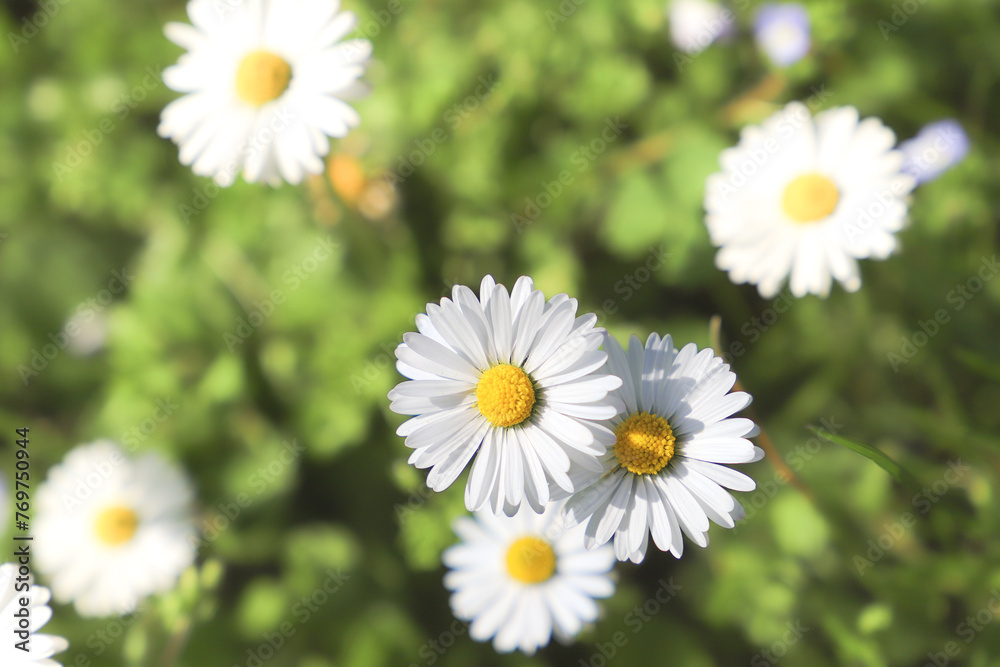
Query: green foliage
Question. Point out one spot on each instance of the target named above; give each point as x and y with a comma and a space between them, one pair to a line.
347, 513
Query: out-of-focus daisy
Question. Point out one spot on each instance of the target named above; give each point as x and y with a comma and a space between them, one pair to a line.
40, 648
265, 84
522, 579
512, 380
807, 198
695, 24
664, 474
111, 530
782, 32
87, 332
936, 148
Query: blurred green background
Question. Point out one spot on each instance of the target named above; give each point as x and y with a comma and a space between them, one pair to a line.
249, 322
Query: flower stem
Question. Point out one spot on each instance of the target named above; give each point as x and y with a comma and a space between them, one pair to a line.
763, 439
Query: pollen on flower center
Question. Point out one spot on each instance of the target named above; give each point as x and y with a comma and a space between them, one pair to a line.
645, 443
531, 560
116, 525
505, 395
261, 77
810, 197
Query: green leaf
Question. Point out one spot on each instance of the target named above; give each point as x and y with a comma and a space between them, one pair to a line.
898, 472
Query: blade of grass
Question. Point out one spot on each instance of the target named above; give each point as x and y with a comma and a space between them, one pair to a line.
898, 472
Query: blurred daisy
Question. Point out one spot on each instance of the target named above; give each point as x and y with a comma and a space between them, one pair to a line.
806, 198
695, 24
664, 474
40, 647
522, 579
512, 380
265, 84
782, 32
937, 148
111, 530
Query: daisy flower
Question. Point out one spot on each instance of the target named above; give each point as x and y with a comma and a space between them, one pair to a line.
805, 198
522, 579
111, 530
40, 648
664, 475
265, 83
695, 24
512, 380
782, 32
937, 148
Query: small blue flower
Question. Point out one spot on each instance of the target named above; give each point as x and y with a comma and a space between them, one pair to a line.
936, 148
782, 33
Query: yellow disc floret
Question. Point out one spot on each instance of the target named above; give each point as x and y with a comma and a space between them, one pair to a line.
531, 560
505, 395
116, 525
645, 443
261, 77
810, 197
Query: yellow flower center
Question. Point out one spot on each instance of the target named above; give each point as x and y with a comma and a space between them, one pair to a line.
810, 197
531, 560
261, 77
116, 525
645, 443
505, 395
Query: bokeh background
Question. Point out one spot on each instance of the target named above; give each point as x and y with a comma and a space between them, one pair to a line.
248, 333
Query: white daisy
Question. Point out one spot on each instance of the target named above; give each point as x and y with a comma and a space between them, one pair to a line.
512, 380
40, 648
807, 198
937, 148
695, 24
664, 474
110, 530
265, 84
522, 579
782, 32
